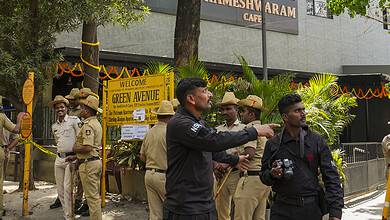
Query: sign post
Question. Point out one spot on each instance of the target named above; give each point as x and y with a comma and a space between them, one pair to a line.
104, 153
128, 102
26, 127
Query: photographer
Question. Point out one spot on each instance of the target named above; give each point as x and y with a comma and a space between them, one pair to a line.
290, 165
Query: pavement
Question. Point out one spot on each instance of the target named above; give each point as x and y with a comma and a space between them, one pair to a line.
366, 207
117, 206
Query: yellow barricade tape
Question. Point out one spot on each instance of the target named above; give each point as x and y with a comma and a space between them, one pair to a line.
41, 148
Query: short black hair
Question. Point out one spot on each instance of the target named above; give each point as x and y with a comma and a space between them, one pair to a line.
255, 111
288, 100
186, 85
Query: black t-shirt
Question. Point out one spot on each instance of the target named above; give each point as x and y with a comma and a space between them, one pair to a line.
191, 148
303, 183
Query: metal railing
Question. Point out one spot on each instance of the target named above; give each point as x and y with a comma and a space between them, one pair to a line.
365, 151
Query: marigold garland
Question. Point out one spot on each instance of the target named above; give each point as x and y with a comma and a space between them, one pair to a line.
107, 73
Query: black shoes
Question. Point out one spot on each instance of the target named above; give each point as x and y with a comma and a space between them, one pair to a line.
77, 204
56, 204
82, 209
86, 213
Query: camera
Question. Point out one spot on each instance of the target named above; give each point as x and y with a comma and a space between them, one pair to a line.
287, 166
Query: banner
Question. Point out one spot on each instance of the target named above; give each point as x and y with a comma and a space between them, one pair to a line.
131, 100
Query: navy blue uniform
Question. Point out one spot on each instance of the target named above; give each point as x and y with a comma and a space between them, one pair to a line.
191, 148
298, 196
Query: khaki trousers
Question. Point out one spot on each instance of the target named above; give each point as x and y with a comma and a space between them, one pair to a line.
90, 173
2, 157
79, 190
250, 199
224, 200
155, 189
63, 175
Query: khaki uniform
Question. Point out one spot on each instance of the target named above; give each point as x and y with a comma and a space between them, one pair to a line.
224, 200
90, 171
154, 148
79, 192
65, 133
386, 152
251, 194
5, 123
8, 138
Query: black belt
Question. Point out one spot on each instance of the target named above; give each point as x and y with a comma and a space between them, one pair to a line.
250, 173
63, 155
156, 170
297, 201
88, 159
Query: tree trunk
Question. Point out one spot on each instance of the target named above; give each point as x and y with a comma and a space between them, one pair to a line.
187, 31
91, 55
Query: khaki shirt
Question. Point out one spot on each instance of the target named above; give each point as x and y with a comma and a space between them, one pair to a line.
154, 147
386, 148
236, 126
7, 124
75, 111
90, 134
65, 133
259, 146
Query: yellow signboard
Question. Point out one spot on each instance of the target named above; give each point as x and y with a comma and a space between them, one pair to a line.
130, 100
28, 91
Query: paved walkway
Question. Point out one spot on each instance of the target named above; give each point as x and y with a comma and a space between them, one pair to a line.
117, 208
370, 209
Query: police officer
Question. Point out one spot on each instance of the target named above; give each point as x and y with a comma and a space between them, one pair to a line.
87, 147
191, 147
154, 153
228, 108
251, 194
82, 209
74, 107
74, 110
290, 165
175, 103
64, 130
5, 123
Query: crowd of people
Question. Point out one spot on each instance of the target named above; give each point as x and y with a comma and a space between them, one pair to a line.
194, 171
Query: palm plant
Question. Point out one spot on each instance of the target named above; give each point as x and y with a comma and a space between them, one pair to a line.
269, 91
327, 112
194, 68
157, 68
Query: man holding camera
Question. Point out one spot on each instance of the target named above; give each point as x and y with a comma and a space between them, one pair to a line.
191, 148
290, 165
251, 194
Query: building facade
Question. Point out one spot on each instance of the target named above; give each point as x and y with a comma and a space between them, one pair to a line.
303, 38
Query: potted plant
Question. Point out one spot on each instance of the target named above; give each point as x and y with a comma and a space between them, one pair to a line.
125, 154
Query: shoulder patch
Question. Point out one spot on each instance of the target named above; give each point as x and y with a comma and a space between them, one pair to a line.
87, 132
195, 127
80, 124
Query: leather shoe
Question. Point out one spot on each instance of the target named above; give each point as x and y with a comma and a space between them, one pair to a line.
84, 207
86, 213
56, 204
77, 204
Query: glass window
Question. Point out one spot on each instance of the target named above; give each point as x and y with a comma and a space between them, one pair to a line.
318, 8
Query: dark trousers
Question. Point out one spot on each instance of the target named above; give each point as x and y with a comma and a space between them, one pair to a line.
283, 211
168, 215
